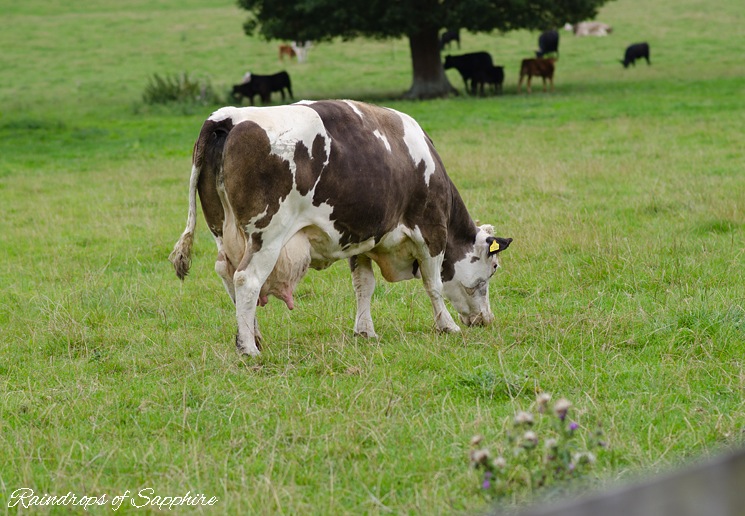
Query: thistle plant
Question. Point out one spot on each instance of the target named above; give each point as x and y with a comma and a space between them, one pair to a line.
543, 447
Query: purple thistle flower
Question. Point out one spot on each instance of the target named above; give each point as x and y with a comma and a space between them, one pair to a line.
562, 407
573, 426
486, 484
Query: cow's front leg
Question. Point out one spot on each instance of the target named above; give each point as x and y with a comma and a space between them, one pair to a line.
430, 269
248, 279
363, 280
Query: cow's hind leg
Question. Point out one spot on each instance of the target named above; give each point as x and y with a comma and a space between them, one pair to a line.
225, 269
430, 269
363, 280
248, 279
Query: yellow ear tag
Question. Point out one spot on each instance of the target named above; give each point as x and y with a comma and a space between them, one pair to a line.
494, 247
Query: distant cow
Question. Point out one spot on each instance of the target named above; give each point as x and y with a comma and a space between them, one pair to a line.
301, 49
286, 50
634, 52
263, 86
548, 43
449, 36
495, 77
285, 188
543, 68
473, 67
589, 28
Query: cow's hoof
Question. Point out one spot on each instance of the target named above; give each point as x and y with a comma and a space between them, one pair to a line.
245, 347
366, 334
449, 329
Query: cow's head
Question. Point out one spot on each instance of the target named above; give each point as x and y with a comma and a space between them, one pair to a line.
468, 291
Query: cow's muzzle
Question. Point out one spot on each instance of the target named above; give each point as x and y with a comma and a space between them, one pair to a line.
480, 319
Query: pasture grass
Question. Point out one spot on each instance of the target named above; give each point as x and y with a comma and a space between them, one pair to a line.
623, 290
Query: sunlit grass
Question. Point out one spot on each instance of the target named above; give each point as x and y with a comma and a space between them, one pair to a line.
622, 291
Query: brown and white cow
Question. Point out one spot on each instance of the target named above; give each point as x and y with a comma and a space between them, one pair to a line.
543, 68
290, 187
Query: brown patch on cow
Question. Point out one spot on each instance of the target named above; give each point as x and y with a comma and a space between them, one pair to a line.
255, 179
308, 167
371, 189
461, 235
256, 242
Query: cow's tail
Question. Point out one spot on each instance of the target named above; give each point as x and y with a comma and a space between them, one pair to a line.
207, 154
180, 257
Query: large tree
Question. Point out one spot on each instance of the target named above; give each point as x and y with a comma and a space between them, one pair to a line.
418, 20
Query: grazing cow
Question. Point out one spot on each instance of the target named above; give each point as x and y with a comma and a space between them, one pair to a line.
449, 36
543, 68
548, 43
263, 86
286, 50
301, 49
589, 28
634, 52
472, 67
495, 77
285, 188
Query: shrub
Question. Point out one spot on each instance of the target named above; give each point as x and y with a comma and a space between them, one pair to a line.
178, 88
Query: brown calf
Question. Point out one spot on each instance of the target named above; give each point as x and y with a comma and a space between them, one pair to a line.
543, 68
286, 50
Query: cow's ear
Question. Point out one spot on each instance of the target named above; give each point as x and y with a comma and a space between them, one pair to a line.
497, 244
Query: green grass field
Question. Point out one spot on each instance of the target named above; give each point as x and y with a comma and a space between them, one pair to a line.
624, 290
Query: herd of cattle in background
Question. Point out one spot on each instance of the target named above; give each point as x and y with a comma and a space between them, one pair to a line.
476, 68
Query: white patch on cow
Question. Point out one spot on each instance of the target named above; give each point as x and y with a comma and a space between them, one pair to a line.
354, 108
224, 113
284, 125
258, 217
382, 137
416, 142
297, 213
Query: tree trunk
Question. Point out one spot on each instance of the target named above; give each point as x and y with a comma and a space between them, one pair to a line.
430, 80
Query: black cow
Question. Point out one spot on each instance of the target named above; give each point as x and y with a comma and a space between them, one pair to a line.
494, 75
263, 86
449, 36
472, 67
548, 43
634, 52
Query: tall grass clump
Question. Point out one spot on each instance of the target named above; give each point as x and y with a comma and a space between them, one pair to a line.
179, 88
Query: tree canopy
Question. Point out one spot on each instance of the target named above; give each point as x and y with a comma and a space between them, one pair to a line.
418, 20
